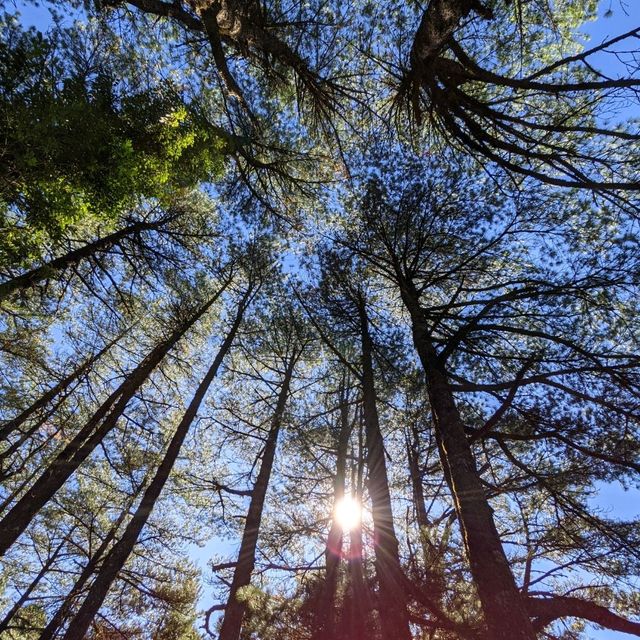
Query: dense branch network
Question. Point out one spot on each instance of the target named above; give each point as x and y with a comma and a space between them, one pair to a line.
269, 370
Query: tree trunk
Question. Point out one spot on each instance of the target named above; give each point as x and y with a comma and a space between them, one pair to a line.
87, 439
435, 583
439, 22
118, 555
504, 608
29, 590
234, 611
32, 277
326, 608
392, 604
62, 613
359, 604
416, 478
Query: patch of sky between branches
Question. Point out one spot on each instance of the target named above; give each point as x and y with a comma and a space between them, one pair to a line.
614, 18
620, 504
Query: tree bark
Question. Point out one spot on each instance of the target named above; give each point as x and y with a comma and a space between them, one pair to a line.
62, 613
235, 609
38, 274
359, 605
88, 438
118, 555
326, 610
437, 26
503, 606
435, 579
392, 604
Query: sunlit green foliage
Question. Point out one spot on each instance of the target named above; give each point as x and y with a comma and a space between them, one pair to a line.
77, 147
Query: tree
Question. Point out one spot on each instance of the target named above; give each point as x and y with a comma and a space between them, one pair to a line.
325, 622
438, 206
350, 304
119, 553
75, 151
91, 434
481, 108
405, 236
288, 346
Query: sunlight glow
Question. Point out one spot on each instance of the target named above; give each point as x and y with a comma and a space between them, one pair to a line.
348, 513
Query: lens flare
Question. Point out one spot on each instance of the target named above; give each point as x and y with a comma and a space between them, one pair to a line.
347, 513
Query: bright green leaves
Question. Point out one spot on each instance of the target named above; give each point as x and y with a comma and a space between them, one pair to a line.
77, 147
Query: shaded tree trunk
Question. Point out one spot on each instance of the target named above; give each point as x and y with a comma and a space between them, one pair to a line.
504, 608
118, 555
359, 606
435, 580
326, 609
392, 604
62, 613
416, 478
88, 438
439, 22
235, 609
38, 274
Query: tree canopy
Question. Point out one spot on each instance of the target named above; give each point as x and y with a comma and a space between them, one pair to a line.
319, 320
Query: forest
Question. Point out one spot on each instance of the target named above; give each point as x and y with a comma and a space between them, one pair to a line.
319, 319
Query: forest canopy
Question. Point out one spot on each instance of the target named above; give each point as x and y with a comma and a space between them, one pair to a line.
319, 320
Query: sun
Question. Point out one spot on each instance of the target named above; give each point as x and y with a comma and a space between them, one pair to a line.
347, 513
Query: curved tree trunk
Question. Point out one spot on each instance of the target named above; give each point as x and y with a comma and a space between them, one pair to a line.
118, 555
87, 439
392, 605
504, 608
234, 611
